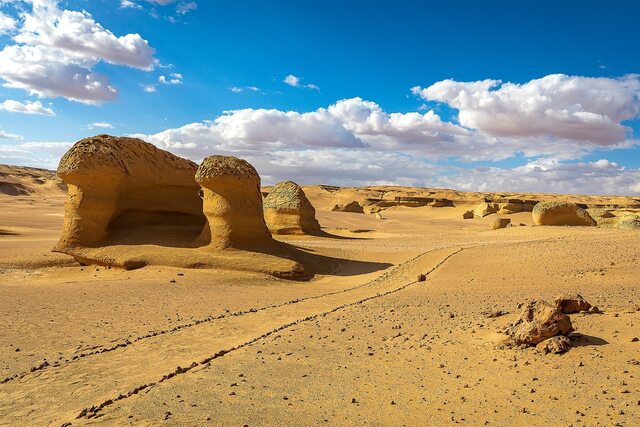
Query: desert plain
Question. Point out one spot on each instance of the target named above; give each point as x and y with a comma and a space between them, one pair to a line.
398, 320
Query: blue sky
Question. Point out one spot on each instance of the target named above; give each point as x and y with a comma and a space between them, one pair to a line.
235, 55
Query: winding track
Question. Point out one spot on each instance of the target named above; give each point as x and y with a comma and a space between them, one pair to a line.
125, 370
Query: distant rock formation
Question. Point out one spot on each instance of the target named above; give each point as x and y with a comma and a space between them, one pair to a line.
628, 222
485, 208
232, 203
348, 207
118, 184
288, 211
561, 213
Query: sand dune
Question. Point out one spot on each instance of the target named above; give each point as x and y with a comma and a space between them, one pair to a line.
359, 340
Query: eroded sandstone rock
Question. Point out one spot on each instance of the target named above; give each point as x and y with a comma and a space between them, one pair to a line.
349, 207
561, 213
556, 345
126, 190
539, 321
499, 223
570, 304
288, 211
232, 203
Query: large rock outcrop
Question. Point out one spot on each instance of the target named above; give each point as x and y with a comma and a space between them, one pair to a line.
126, 190
628, 222
561, 213
288, 211
232, 203
539, 321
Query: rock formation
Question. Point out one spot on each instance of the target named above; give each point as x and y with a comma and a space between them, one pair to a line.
232, 203
556, 345
484, 209
561, 213
126, 189
468, 215
499, 223
288, 211
569, 304
628, 222
539, 321
348, 207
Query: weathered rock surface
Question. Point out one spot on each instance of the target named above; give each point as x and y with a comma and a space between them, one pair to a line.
539, 321
561, 213
628, 222
499, 223
556, 345
484, 209
349, 207
570, 304
468, 215
232, 203
124, 189
288, 211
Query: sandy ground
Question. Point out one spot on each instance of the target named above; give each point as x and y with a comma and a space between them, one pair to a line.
360, 343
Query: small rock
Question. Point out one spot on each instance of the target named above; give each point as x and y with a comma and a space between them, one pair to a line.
555, 345
421, 278
570, 304
635, 339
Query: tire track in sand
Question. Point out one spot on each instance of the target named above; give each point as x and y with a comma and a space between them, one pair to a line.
53, 396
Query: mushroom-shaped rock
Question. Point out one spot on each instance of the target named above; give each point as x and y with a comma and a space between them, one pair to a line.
499, 223
288, 211
126, 189
539, 321
232, 203
561, 213
569, 304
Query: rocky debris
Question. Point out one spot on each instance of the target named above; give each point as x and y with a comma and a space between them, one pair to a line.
421, 278
288, 211
117, 183
556, 345
628, 222
561, 213
348, 207
232, 203
499, 223
494, 314
569, 304
539, 321
468, 215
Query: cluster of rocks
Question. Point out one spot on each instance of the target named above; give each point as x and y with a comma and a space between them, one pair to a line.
125, 183
547, 326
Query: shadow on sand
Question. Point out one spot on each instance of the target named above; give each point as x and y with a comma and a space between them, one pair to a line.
582, 340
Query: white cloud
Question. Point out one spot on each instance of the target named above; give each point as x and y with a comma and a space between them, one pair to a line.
236, 89
186, 7
57, 50
149, 88
559, 106
26, 107
40, 154
101, 125
7, 24
295, 81
127, 4
173, 79
7, 135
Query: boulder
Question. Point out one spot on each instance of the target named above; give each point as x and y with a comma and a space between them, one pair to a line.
468, 215
232, 203
561, 213
569, 304
499, 223
484, 209
628, 222
288, 211
539, 321
555, 345
349, 207
126, 190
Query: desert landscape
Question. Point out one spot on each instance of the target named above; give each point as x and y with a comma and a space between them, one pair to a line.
202, 303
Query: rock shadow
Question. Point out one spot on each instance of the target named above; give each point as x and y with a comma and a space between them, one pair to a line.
582, 340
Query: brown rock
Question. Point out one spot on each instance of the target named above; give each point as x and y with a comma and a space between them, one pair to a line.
570, 304
468, 215
349, 207
499, 223
539, 321
561, 213
556, 345
288, 211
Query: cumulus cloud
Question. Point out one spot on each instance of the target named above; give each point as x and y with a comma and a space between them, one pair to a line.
149, 88
101, 125
127, 4
7, 135
584, 109
41, 154
296, 81
26, 107
57, 50
173, 79
7, 23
